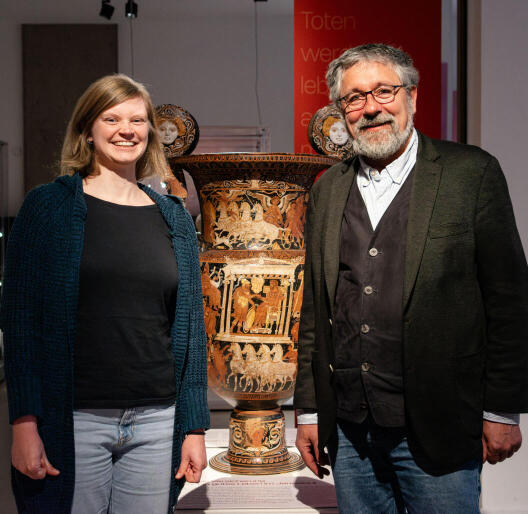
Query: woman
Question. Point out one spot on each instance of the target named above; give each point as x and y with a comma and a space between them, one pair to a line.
102, 317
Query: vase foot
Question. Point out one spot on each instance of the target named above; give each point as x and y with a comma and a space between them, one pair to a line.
257, 445
222, 463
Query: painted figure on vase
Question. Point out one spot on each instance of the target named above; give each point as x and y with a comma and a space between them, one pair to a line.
334, 129
177, 130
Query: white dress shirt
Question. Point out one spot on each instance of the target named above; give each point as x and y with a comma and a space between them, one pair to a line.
379, 187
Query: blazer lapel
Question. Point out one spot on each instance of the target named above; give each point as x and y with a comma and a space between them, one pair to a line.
425, 188
332, 227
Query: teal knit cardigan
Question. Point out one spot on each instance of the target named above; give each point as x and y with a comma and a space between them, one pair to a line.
38, 315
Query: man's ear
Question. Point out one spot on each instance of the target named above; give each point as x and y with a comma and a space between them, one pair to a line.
413, 92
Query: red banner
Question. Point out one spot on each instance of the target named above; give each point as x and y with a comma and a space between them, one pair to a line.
324, 30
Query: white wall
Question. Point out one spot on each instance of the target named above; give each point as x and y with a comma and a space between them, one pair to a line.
199, 54
503, 132
504, 109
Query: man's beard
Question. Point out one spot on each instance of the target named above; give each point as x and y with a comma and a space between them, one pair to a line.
383, 144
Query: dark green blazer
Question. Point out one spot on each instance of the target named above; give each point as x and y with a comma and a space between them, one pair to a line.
464, 305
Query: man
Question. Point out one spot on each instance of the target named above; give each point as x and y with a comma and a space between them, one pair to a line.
413, 344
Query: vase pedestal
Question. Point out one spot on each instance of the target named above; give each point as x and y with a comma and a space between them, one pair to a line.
257, 445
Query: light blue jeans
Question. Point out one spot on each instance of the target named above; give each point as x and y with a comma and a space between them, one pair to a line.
375, 473
123, 460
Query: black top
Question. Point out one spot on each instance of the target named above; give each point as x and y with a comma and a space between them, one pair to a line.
127, 301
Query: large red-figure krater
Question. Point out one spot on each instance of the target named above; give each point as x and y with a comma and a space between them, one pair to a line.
253, 210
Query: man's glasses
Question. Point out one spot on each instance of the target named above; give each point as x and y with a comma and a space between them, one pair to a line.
382, 94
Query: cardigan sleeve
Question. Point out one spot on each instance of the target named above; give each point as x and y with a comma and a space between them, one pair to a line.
194, 383
189, 339
21, 304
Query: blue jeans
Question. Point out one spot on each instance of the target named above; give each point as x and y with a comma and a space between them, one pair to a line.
123, 460
375, 473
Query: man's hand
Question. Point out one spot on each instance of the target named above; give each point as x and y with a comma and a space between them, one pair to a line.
306, 443
193, 458
499, 441
27, 451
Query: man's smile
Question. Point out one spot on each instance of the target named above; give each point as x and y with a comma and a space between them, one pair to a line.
372, 128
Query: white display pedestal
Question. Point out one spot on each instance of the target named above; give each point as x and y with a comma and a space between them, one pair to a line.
297, 492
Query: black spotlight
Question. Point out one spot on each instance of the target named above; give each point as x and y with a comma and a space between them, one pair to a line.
106, 9
131, 9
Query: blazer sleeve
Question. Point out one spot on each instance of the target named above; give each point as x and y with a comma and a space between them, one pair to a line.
21, 304
304, 397
503, 279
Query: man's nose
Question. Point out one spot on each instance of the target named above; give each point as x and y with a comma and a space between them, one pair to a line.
371, 106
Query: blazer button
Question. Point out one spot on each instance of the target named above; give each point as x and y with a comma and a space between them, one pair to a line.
330, 321
373, 252
368, 290
365, 366
365, 329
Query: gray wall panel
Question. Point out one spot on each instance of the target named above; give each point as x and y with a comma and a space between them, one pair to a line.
59, 62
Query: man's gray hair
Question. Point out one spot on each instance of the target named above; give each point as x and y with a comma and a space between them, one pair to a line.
373, 52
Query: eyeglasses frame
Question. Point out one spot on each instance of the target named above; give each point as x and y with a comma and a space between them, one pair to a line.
365, 94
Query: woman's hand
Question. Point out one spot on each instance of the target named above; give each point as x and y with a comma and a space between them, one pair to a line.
193, 458
27, 451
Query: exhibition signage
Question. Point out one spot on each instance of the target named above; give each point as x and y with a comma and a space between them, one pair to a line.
323, 30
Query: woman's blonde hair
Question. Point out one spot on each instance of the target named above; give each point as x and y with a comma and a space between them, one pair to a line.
77, 154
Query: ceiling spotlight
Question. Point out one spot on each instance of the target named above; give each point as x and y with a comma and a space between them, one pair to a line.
106, 9
131, 9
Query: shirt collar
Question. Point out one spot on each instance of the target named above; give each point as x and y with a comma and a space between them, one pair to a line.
396, 170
